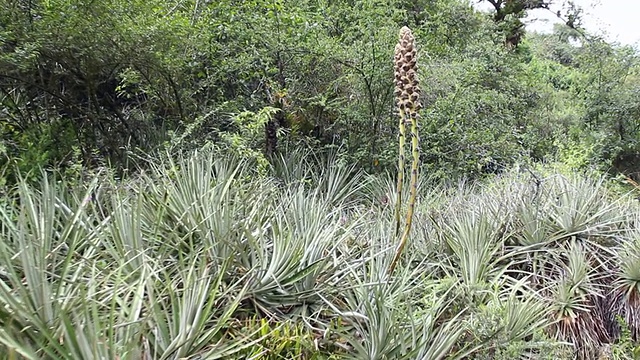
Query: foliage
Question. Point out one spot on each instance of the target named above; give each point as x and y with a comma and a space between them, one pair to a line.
199, 256
94, 83
263, 228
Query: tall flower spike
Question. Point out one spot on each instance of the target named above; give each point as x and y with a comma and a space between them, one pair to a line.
407, 95
405, 66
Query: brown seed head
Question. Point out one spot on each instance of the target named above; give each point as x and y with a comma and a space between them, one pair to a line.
405, 69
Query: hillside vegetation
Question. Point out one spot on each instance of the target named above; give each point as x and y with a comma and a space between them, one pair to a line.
200, 257
93, 83
315, 180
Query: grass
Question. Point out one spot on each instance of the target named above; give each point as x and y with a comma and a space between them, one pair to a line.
201, 257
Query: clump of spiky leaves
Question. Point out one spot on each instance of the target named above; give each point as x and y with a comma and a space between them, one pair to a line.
561, 236
402, 317
575, 295
407, 95
174, 263
159, 266
78, 284
566, 229
627, 285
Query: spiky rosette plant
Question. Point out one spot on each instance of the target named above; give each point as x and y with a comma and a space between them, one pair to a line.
627, 286
407, 95
580, 318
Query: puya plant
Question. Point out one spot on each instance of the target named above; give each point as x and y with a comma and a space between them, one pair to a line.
407, 94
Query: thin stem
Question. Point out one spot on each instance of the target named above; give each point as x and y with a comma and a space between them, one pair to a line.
400, 183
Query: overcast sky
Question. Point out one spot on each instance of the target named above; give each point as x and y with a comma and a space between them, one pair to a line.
618, 20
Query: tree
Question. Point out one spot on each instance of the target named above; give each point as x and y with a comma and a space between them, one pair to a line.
508, 13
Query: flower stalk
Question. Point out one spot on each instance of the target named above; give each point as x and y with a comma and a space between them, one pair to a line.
407, 95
